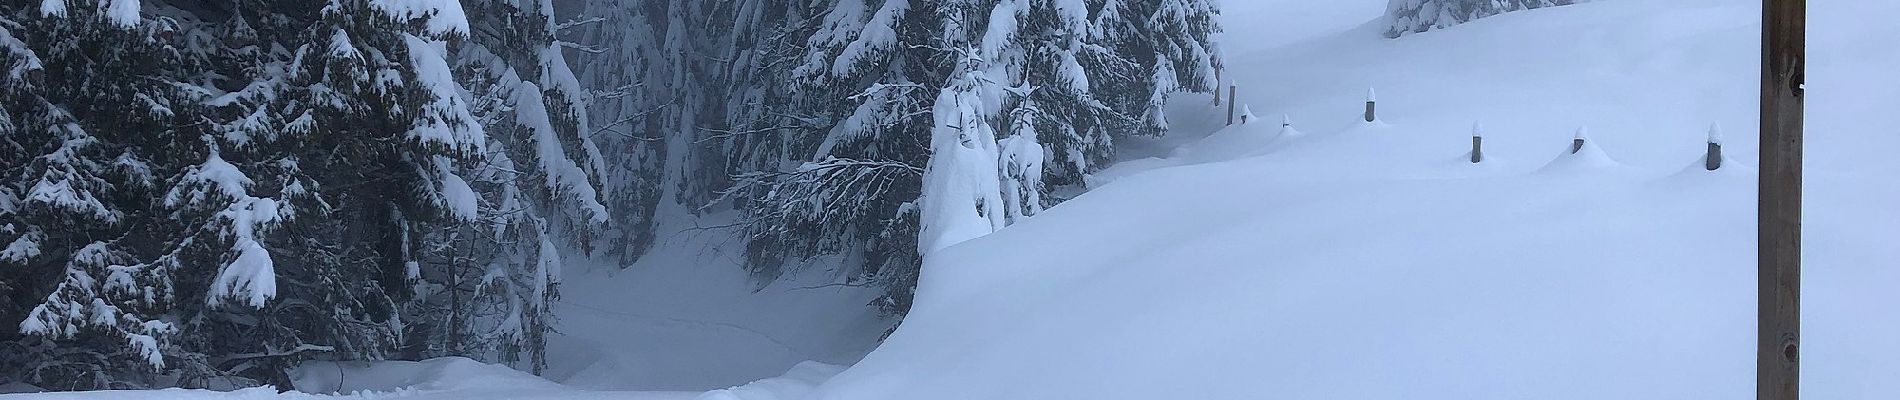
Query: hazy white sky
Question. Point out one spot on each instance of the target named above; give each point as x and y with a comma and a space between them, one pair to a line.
1271, 23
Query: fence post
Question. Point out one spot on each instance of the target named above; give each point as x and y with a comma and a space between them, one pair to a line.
1714, 161
1576, 145
1477, 143
1372, 100
1233, 96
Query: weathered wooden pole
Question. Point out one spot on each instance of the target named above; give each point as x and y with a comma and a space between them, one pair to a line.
1714, 158
1783, 74
1576, 144
1233, 96
1477, 143
1372, 104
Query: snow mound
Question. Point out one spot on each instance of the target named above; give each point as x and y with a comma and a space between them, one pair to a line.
1582, 155
439, 374
795, 384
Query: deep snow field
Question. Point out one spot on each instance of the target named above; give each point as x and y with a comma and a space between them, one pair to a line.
1344, 260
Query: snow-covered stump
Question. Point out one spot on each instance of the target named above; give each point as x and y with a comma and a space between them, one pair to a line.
1713, 161
1372, 105
1477, 143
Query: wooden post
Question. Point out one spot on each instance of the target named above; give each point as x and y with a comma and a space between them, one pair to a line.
1576, 145
1477, 143
1783, 74
1372, 100
1714, 157
1233, 96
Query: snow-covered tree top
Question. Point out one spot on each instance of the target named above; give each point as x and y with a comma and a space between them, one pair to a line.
53, 8
445, 16
124, 13
121, 13
341, 47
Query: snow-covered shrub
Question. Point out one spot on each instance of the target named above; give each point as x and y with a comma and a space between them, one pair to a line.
1417, 16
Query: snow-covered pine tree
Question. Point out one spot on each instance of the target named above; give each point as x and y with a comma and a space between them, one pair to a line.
540, 186
1156, 48
80, 99
862, 158
1061, 108
365, 127
1418, 16
827, 143
635, 106
221, 190
680, 127
276, 182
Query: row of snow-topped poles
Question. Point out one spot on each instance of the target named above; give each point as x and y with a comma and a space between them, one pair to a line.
1713, 160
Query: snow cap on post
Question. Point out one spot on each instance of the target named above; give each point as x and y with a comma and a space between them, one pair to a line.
1372, 98
1286, 120
1477, 129
1715, 133
1246, 114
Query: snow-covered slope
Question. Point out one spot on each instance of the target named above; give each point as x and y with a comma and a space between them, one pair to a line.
1370, 261
1355, 260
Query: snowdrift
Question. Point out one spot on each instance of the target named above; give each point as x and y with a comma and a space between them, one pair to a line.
1369, 261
